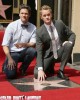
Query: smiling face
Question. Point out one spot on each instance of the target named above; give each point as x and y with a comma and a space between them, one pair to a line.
24, 15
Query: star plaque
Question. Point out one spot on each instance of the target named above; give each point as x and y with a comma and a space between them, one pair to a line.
6, 9
51, 83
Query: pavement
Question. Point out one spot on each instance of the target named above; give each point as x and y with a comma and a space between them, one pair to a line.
75, 65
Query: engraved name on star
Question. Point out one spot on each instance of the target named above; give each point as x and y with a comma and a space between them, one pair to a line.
3, 8
40, 85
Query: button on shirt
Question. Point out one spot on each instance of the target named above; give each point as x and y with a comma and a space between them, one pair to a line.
15, 33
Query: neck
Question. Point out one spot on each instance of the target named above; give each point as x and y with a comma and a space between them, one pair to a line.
24, 22
48, 23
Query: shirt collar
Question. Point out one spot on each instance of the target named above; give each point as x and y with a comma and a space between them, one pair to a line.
47, 26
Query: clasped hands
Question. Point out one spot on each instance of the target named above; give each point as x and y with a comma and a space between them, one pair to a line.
21, 45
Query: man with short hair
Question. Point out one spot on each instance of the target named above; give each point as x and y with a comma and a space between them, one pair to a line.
54, 42
18, 43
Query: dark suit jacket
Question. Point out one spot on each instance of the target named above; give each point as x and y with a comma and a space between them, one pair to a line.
43, 45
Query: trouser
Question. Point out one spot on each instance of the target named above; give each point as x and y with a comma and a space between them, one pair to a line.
24, 57
64, 54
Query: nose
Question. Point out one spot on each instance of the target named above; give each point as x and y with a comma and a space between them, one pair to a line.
46, 16
23, 14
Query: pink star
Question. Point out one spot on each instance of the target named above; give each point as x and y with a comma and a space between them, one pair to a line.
40, 85
2, 9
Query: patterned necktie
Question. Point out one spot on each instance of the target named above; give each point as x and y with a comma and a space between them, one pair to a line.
54, 46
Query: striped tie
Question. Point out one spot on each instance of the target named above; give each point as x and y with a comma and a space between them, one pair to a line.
54, 46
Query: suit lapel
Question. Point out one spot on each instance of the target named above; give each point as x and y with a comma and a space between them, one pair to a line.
45, 32
47, 41
57, 27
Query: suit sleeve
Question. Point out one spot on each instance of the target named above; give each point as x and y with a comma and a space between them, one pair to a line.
39, 49
70, 35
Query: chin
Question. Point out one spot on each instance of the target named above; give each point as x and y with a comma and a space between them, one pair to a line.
48, 23
24, 21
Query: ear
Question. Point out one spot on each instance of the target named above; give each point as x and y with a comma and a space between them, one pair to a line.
41, 17
51, 15
19, 15
29, 15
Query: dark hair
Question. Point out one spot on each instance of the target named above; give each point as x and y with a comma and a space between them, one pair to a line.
24, 6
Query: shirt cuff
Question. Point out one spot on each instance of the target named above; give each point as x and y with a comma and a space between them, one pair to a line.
40, 68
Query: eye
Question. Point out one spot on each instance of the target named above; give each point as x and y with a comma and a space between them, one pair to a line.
44, 15
48, 14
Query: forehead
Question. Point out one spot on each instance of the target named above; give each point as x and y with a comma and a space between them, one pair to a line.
43, 12
24, 10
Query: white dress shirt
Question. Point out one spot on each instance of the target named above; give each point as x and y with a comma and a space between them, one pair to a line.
15, 33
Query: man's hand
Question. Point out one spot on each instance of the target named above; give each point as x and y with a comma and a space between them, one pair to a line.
20, 45
41, 75
11, 64
24, 45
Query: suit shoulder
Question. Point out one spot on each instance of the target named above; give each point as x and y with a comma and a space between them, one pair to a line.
58, 21
40, 29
